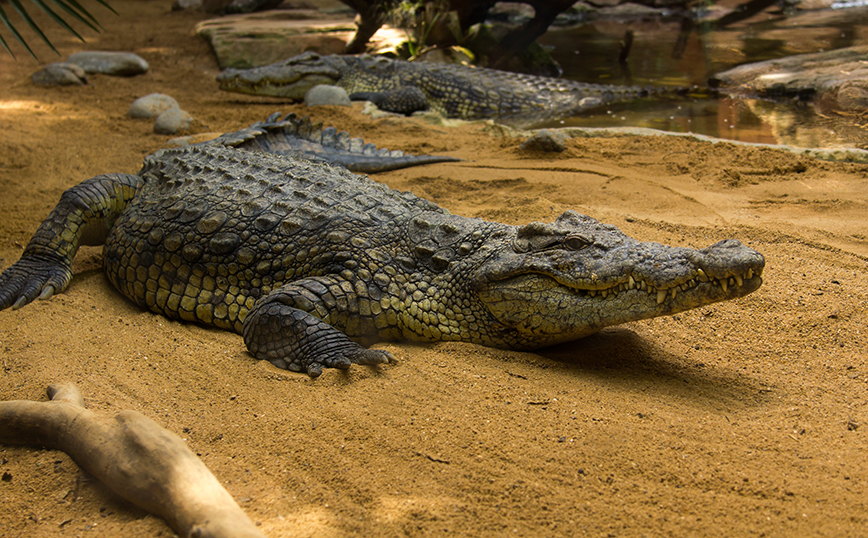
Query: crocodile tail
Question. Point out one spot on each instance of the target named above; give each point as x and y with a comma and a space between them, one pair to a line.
294, 136
629, 93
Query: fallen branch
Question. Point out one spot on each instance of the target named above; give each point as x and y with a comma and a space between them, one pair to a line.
135, 457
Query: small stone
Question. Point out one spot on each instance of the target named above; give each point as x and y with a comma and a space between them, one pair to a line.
853, 96
123, 64
546, 140
173, 121
188, 5
151, 106
60, 74
324, 94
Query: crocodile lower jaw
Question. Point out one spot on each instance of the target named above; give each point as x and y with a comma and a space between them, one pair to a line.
661, 293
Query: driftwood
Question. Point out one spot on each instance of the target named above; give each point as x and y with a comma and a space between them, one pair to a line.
135, 457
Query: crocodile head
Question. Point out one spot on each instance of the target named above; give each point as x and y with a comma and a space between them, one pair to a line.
291, 78
562, 281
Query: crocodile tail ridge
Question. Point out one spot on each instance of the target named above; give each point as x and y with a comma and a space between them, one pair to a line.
292, 135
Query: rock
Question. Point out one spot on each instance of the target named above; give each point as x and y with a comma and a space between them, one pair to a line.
840, 75
123, 64
853, 95
173, 121
545, 140
188, 5
60, 74
245, 41
151, 106
323, 94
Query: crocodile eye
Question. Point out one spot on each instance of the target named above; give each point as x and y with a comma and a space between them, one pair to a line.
521, 245
575, 242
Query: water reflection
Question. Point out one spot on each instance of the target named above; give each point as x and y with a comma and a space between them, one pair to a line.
663, 54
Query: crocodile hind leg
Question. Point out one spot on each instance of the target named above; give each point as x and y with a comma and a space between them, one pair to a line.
289, 328
83, 216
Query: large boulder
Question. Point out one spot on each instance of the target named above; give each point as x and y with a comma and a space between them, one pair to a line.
252, 40
837, 78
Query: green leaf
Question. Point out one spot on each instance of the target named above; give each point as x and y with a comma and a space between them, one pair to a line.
56, 18
69, 8
72, 7
5, 20
30, 22
14, 31
79, 8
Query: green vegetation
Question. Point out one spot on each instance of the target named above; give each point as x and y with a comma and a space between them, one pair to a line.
71, 7
419, 18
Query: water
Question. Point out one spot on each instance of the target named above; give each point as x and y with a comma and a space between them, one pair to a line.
663, 54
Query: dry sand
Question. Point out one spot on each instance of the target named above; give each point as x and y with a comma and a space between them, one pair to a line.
746, 418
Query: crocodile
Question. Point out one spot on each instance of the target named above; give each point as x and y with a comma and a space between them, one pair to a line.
312, 264
453, 90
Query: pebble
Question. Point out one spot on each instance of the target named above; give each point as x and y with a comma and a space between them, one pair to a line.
60, 74
124, 64
173, 121
324, 94
546, 140
151, 106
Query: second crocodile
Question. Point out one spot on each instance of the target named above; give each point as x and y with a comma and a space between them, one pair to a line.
455, 91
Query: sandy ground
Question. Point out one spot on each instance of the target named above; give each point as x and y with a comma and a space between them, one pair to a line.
747, 418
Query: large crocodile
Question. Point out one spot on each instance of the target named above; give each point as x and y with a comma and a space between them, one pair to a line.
455, 91
310, 262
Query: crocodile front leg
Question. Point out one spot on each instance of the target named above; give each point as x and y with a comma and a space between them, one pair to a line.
287, 328
404, 100
84, 216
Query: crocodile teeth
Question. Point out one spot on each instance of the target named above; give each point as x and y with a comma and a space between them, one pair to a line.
673, 291
738, 280
661, 296
631, 284
604, 293
749, 274
702, 276
592, 293
723, 284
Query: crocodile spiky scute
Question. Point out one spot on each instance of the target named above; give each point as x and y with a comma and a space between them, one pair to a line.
294, 136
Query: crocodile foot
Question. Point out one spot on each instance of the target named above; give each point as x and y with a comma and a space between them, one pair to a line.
32, 277
295, 340
405, 100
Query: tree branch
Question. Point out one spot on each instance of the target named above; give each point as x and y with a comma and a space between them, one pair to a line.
135, 457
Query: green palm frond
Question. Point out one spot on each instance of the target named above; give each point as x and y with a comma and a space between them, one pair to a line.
71, 7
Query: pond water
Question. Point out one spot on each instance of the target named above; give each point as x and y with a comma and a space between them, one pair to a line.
668, 53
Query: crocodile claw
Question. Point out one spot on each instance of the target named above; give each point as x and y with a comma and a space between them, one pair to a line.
31, 278
343, 362
373, 356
